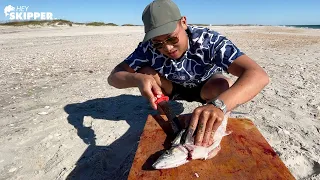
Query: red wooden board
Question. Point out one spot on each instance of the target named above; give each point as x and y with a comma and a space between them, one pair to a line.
244, 154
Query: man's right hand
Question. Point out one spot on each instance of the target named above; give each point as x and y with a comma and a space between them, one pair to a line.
148, 88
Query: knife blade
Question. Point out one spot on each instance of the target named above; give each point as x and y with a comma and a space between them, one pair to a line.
162, 102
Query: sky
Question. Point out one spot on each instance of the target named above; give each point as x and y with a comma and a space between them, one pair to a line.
216, 12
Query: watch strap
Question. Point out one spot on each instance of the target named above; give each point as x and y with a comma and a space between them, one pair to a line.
218, 103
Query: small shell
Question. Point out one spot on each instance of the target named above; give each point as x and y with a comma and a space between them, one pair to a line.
197, 175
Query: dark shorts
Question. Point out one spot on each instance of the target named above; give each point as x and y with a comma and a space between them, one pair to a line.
180, 92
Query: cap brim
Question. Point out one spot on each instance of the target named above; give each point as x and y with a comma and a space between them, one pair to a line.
164, 29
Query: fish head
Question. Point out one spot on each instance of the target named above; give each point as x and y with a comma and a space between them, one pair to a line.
174, 157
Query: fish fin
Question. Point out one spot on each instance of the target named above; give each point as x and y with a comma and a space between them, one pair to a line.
213, 153
228, 133
176, 140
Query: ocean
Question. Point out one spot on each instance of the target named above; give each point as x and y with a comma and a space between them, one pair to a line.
305, 26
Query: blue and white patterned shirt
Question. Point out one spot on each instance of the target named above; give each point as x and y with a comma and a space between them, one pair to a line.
207, 53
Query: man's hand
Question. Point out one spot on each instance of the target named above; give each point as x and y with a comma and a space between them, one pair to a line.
206, 119
148, 88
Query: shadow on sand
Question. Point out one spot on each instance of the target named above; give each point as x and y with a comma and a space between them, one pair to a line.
113, 161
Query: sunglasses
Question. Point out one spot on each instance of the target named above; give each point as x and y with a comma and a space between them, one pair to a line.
170, 41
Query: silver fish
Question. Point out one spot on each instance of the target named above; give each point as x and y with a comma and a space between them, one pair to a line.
180, 154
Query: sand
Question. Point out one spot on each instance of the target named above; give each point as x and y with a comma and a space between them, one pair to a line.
59, 118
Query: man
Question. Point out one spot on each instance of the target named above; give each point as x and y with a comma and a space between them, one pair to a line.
185, 62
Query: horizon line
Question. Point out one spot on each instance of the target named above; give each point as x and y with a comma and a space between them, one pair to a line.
204, 24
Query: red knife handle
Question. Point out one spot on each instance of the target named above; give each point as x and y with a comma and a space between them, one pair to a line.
160, 98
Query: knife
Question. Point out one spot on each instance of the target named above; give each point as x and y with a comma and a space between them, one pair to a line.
162, 102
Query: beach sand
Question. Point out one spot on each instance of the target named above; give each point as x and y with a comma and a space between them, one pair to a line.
59, 117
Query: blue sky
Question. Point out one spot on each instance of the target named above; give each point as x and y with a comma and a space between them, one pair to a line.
265, 12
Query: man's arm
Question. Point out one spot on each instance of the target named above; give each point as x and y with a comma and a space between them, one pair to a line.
122, 76
252, 79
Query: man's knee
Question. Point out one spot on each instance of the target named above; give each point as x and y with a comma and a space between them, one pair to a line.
215, 86
223, 83
147, 70
165, 84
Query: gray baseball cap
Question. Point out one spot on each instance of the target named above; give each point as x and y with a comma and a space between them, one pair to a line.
160, 17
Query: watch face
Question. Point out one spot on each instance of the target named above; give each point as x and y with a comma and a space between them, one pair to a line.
218, 103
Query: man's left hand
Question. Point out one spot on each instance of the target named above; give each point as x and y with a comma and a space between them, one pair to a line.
206, 119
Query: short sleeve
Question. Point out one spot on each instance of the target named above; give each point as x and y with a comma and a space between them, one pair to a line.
223, 51
138, 58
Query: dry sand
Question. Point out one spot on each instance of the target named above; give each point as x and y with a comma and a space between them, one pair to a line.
60, 118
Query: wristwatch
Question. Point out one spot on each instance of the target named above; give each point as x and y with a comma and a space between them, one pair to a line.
219, 104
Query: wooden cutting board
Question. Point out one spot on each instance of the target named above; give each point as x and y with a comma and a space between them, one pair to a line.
244, 154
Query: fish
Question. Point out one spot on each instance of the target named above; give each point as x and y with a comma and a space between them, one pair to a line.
182, 153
